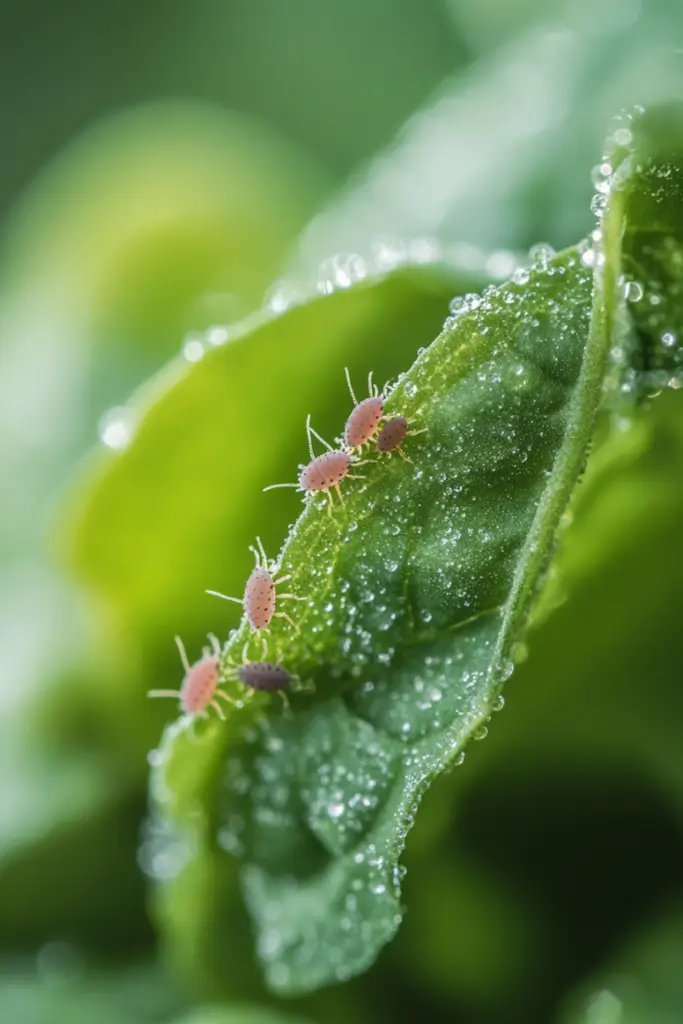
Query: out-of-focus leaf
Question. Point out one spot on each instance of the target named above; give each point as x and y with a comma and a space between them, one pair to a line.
643, 984
500, 156
62, 991
165, 217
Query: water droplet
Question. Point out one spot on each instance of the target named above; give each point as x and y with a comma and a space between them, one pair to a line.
217, 335
588, 258
623, 137
541, 254
458, 305
193, 349
633, 291
668, 339
598, 204
115, 428
521, 275
501, 264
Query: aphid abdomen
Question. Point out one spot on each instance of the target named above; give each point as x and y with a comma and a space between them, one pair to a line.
363, 422
324, 471
259, 599
263, 675
199, 685
392, 434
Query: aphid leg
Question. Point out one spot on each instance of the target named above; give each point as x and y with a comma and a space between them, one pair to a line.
183, 653
219, 710
315, 433
287, 618
348, 381
215, 645
359, 476
277, 580
245, 651
216, 593
291, 597
403, 455
264, 646
225, 696
338, 490
163, 693
286, 707
414, 433
330, 502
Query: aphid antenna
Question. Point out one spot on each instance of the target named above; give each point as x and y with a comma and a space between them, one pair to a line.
309, 431
225, 597
163, 693
265, 564
215, 644
372, 388
273, 487
183, 653
350, 387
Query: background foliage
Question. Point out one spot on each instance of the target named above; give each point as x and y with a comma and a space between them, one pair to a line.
163, 167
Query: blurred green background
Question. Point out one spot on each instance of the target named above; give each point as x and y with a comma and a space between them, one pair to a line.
163, 165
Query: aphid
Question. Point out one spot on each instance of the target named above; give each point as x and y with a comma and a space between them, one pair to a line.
325, 471
393, 434
364, 421
264, 676
260, 594
199, 688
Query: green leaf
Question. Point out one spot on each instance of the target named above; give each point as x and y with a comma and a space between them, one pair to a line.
417, 591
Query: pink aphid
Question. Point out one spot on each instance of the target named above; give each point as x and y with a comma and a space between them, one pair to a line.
393, 434
364, 421
324, 472
199, 688
260, 594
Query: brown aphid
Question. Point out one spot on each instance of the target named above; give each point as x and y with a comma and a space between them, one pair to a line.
260, 593
393, 434
199, 688
365, 418
263, 675
324, 472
